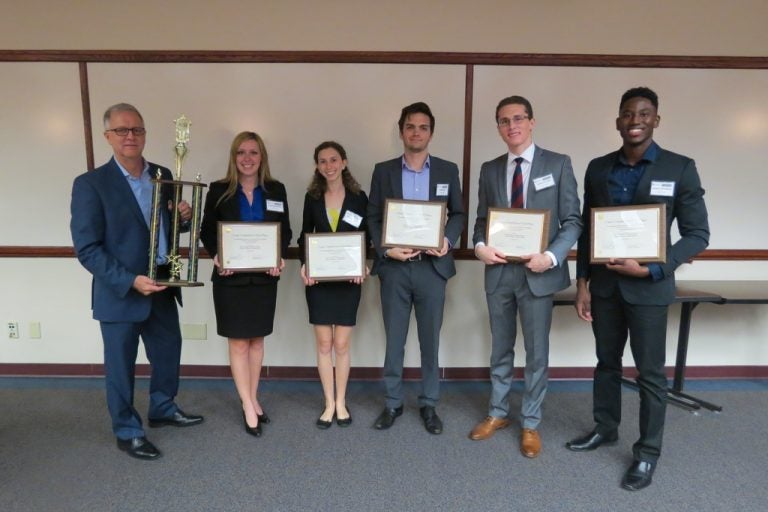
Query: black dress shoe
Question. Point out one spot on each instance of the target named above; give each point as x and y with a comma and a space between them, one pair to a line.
638, 476
177, 419
346, 421
323, 424
432, 421
387, 418
139, 447
254, 431
591, 441
263, 418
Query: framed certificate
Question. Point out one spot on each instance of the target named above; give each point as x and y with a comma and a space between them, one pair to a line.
335, 256
413, 224
517, 232
638, 232
249, 246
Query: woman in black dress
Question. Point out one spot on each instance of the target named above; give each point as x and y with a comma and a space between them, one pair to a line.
334, 202
245, 302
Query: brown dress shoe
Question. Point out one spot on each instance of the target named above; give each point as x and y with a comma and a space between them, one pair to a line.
486, 428
530, 443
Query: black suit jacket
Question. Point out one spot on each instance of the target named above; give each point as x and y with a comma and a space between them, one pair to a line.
387, 182
686, 205
229, 211
316, 220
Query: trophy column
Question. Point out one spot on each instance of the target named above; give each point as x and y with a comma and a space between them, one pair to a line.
174, 258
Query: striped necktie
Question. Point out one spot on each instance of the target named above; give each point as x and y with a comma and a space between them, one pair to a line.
516, 195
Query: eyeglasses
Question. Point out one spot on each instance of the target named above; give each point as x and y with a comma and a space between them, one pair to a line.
506, 121
122, 132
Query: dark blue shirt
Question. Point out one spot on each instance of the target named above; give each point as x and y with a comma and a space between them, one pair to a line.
622, 185
254, 211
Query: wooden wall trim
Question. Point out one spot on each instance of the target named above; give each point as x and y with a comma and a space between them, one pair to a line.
362, 57
28, 251
85, 98
367, 373
469, 82
83, 57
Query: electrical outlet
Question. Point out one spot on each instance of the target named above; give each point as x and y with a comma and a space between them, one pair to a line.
13, 330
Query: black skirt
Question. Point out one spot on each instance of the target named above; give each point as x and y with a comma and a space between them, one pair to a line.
246, 311
333, 303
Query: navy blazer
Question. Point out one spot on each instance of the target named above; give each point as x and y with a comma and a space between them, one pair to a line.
387, 182
111, 240
229, 211
316, 219
686, 204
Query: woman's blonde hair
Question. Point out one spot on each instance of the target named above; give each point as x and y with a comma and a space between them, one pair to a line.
264, 176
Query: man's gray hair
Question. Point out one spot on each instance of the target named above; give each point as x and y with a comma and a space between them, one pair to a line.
120, 107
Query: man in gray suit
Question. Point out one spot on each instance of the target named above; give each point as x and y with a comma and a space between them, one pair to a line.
527, 176
413, 278
626, 298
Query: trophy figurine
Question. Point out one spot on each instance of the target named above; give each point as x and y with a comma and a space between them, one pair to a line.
174, 259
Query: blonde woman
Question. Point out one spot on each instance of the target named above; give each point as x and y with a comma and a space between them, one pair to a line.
245, 302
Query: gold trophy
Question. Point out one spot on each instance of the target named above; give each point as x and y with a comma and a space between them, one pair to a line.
174, 258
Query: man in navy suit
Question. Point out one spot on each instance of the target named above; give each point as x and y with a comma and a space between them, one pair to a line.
110, 230
545, 181
625, 297
414, 279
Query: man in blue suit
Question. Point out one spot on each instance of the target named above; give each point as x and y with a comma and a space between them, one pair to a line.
414, 279
110, 230
531, 177
625, 298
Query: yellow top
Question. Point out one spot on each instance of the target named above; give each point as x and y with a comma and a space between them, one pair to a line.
333, 217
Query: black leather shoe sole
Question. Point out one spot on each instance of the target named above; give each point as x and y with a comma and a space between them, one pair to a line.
432, 422
592, 441
177, 420
638, 476
387, 418
139, 448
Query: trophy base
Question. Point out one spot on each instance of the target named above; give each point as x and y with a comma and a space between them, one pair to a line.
179, 284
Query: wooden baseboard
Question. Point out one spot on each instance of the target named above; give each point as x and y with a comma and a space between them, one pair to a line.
365, 373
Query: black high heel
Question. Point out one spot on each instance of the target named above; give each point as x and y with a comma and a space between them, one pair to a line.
254, 431
263, 418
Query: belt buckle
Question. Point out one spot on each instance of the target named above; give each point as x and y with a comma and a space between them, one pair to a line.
415, 258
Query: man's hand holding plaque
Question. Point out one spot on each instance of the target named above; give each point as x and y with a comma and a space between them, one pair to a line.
516, 234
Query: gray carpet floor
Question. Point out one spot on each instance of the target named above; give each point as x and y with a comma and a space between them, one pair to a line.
57, 454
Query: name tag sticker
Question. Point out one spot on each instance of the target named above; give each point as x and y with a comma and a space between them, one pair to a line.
275, 206
442, 189
663, 188
543, 182
352, 218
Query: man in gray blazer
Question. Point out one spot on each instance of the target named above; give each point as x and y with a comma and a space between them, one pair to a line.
626, 298
529, 177
414, 279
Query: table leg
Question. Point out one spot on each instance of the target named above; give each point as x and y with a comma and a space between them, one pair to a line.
675, 393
